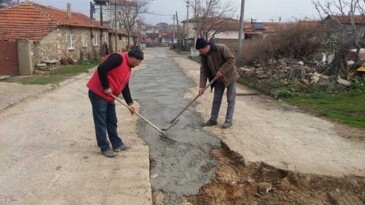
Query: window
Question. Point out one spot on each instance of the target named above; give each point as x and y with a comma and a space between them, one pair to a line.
84, 40
105, 37
95, 39
69, 40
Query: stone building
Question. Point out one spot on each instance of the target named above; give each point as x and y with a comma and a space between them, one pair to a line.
51, 34
112, 14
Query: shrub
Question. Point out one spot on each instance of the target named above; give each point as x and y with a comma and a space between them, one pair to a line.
300, 40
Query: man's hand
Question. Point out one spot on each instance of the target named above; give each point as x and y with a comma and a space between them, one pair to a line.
201, 91
108, 91
219, 74
132, 109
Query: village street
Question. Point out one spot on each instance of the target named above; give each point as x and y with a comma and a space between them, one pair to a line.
49, 154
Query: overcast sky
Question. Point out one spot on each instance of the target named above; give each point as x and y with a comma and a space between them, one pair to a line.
264, 10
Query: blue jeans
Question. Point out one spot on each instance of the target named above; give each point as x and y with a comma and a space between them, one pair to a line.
105, 121
217, 100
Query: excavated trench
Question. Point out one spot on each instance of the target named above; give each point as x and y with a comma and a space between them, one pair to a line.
199, 169
176, 169
257, 183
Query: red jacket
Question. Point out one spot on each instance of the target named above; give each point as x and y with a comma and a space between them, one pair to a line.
117, 78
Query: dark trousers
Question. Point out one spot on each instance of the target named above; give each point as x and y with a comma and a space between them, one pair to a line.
217, 100
105, 121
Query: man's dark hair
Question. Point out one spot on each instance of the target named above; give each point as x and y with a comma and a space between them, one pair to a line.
136, 52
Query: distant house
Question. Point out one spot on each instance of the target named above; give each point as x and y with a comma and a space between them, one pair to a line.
348, 23
358, 20
152, 39
254, 30
104, 12
223, 29
226, 30
163, 27
118, 40
53, 34
333, 22
168, 39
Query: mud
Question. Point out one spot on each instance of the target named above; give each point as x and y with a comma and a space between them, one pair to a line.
179, 169
257, 183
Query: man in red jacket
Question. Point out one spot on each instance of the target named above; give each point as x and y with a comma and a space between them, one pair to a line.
111, 78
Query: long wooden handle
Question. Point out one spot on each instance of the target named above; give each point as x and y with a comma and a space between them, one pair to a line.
139, 115
196, 97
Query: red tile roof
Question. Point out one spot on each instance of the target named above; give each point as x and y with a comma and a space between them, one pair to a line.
229, 24
167, 35
33, 21
119, 32
359, 19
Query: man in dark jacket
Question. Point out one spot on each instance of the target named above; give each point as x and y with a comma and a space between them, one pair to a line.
218, 61
111, 78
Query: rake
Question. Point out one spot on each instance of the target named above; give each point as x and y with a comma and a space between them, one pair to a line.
175, 120
163, 136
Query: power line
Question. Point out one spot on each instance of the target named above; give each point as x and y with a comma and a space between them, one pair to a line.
159, 14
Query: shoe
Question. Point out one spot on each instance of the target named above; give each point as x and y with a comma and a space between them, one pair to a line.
209, 123
109, 153
227, 125
121, 148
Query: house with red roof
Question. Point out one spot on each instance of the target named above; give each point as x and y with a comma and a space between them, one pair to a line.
226, 30
50, 34
346, 20
350, 24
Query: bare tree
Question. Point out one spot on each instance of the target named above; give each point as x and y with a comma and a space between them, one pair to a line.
345, 21
210, 16
125, 13
5, 3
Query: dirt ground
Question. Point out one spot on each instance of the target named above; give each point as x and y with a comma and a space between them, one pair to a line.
10, 94
257, 183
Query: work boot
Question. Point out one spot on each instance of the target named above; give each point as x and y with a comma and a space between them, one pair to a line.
227, 125
121, 148
209, 123
109, 153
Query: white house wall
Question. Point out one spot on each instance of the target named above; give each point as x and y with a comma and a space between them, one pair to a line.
227, 35
223, 35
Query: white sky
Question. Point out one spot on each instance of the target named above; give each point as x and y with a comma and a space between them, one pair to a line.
288, 10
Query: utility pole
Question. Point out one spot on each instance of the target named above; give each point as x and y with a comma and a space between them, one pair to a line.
239, 53
177, 30
186, 30
101, 14
115, 26
173, 30
92, 10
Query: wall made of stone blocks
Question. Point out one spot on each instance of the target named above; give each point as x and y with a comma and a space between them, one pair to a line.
122, 43
55, 46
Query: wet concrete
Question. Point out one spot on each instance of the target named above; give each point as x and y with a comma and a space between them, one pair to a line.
178, 169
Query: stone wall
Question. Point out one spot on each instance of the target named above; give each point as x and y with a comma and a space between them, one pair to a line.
55, 46
122, 42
